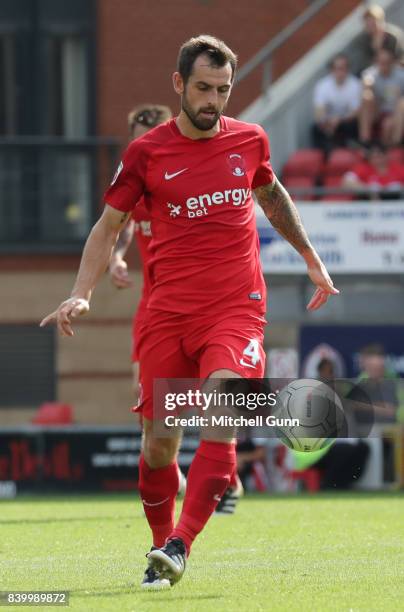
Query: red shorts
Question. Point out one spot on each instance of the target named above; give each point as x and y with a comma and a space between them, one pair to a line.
179, 346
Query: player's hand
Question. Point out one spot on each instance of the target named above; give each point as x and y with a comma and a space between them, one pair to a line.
118, 270
319, 276
63, 315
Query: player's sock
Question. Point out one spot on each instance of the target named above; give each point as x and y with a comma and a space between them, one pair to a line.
158, 489
234, 480
208, 478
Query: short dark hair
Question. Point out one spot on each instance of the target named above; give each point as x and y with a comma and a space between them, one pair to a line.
148, 115
218, 52
339, 56
324, 362
373, 349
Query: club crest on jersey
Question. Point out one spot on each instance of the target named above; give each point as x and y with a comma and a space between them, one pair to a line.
237, 164
117, 173
175, 209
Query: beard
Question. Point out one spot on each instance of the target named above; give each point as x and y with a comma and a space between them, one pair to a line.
197, 119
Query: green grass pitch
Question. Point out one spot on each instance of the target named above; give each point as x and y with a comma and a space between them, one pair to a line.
325, 552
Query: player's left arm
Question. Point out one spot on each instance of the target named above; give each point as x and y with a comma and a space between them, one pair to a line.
283, 215
118, 268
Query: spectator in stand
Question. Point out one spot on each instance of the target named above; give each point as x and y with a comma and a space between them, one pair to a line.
377, 35
382, 108
337, 98
325, 369
343, 463
377, 387
376, 177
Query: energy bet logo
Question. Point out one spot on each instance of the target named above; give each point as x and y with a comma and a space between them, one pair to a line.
198, 206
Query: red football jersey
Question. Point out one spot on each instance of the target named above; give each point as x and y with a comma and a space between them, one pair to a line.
143, 236
204, 253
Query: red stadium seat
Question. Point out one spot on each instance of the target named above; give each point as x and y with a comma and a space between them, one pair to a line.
335, 181
294, 183
310, 478
396, 155
306, 162
340, 161
53, 413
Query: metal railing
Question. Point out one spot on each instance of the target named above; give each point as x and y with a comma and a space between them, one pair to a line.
317, 192
264, 56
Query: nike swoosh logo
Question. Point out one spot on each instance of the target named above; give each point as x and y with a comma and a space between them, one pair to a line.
168, 177
248, 365
217, 497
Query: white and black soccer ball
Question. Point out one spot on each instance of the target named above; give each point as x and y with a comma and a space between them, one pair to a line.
309, 415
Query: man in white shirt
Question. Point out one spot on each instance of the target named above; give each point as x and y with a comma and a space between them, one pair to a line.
336, 101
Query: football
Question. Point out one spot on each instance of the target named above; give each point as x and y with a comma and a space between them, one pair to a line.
309, 415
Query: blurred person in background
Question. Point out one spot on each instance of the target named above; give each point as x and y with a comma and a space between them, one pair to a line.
251, 453
376, 177
378, 35
337, 98
325, 369
141, 119
382, 107
343, 463
377, 386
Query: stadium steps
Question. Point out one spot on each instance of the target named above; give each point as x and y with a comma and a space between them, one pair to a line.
285, 111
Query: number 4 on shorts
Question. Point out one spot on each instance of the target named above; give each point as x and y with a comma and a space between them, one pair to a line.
252, 354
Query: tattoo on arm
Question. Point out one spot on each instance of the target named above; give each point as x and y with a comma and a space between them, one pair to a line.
283, 215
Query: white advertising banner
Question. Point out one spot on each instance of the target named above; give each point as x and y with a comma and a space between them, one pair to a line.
359, 237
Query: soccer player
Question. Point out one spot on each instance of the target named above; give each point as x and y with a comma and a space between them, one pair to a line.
207, 303
141, 119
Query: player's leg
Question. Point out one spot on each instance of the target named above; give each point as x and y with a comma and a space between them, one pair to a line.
139, 324
215, 460
160, 355
158, 469
158, 481
208, 477
158, 487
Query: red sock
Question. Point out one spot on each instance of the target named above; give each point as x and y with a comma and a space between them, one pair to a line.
158, 489
207, 480
234, 480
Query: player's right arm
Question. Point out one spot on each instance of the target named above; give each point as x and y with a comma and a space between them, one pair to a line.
96, 255
118, 268
126, 188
